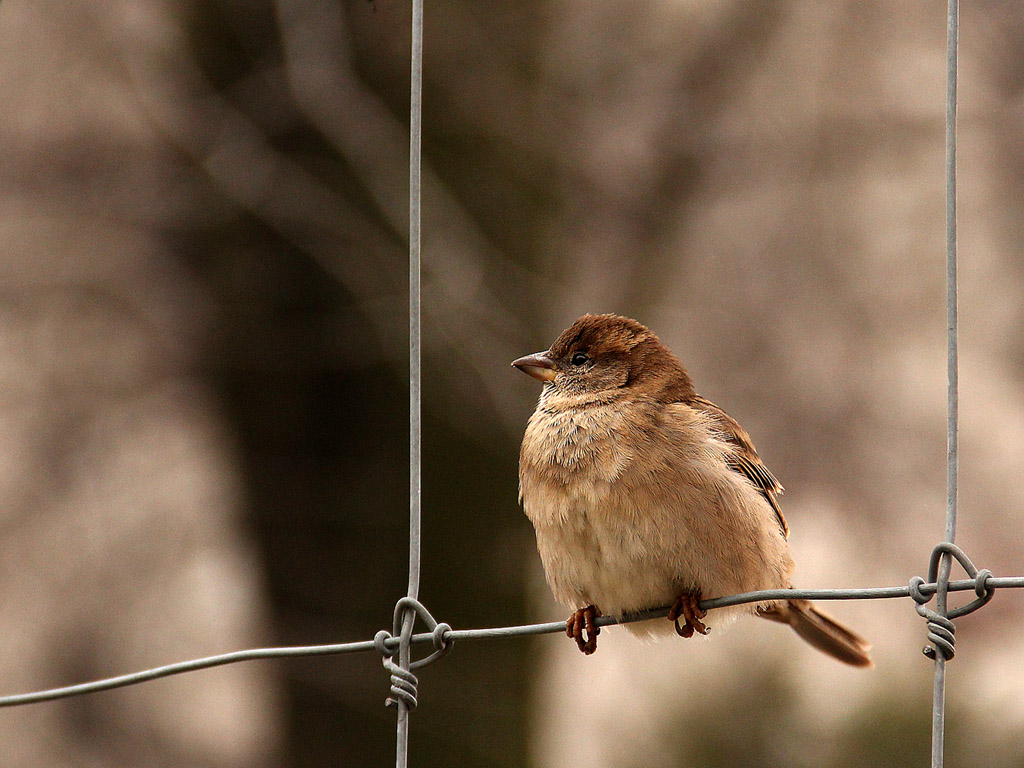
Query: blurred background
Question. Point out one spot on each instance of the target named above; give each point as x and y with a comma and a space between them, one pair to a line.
203, 363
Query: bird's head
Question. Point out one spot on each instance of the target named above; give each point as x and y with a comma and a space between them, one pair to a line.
607, 355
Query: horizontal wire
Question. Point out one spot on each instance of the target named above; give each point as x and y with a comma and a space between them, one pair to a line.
392, 643
185, 666
866, 593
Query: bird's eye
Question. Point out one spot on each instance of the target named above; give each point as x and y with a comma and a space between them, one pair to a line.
580, 358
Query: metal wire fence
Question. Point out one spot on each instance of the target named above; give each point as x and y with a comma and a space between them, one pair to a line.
400, 640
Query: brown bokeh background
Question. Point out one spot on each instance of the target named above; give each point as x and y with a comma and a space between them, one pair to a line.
202, 380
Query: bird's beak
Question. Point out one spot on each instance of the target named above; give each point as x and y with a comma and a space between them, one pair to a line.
540, 366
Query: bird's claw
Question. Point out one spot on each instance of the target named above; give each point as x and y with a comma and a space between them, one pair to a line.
687, 605
583, 622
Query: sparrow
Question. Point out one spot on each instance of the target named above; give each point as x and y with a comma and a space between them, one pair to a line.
643, 494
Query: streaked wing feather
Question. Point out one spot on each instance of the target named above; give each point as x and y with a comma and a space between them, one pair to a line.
745, 461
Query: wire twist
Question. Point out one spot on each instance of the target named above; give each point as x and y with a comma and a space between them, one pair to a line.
941, 630
403, 682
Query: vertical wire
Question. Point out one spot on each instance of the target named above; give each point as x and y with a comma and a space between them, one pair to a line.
952, 375
951, 278
415, 376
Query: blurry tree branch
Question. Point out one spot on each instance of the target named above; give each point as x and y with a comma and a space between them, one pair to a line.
467, 312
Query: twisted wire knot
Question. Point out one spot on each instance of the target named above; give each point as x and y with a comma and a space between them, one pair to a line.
941, 631
403, 682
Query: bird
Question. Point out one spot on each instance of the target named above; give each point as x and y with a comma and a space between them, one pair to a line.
644, 494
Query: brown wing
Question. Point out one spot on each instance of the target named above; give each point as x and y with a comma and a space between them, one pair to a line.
746, 461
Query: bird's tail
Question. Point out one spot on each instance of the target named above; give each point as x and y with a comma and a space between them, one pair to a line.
820, 630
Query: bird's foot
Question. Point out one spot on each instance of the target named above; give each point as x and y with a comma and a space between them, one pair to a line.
583, 621
687, 605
